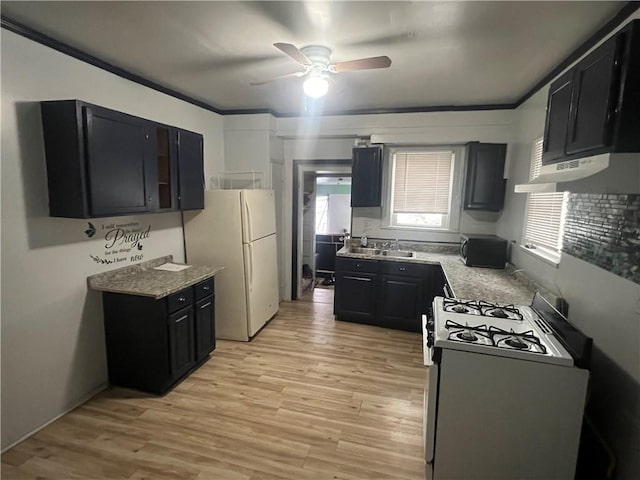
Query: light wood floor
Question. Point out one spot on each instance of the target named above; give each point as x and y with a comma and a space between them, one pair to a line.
308, 398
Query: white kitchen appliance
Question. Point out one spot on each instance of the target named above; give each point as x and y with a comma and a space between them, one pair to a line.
237, 230
506, 391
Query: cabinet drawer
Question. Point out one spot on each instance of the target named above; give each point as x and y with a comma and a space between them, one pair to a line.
402, 268
180, 299
203, 289
356, 265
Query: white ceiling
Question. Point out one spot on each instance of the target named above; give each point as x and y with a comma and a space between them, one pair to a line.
443, 53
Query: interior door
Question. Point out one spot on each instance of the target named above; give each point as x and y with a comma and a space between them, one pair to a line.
258, 214
261, 278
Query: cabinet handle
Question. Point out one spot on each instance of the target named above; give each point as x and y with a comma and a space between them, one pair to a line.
205, 305
182, 318
358, 265
182, 299
206, 288
149, 198
403, 269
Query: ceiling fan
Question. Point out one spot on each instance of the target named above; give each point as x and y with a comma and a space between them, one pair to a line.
315, 59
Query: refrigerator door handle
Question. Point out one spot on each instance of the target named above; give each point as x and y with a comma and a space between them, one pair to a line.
250, 260
248, 209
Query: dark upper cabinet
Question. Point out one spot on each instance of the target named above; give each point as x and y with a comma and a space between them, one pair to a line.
191, 168
117, 161
558, 107
484, 184
104, 163
366, 177
595, 82
594, 108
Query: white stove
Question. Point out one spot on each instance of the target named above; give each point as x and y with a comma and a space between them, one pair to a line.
496, 329
502, 359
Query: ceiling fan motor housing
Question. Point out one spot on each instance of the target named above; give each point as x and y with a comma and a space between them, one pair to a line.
319, 55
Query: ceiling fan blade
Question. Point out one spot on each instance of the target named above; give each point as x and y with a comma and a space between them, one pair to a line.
362, 64
280, 77
293, 52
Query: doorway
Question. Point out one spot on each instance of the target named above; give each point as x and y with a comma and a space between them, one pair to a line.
314, 182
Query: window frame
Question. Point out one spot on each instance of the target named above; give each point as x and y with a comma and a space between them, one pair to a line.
455, 193
529, 245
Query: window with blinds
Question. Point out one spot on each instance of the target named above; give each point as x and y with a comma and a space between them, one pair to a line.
421, 188
545, 212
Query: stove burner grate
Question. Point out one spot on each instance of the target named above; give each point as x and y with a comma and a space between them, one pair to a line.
510, 312
458, 306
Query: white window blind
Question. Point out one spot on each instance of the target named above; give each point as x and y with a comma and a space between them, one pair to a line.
545, 211
422, 182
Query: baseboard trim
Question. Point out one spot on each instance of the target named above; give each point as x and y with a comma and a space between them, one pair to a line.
75, 405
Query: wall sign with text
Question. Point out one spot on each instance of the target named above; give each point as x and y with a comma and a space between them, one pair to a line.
122, 242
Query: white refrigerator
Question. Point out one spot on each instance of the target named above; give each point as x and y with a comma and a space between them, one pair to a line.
237, 230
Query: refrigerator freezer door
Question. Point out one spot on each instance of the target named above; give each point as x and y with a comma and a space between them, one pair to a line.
258, 214
261, 279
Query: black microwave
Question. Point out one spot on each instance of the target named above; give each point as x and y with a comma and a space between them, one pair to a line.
483, 250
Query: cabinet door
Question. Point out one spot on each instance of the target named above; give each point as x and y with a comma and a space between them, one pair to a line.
400, 302
118, 167
595, 91
434, 284
355, 297
366, 177
205, 327
181, 342
555, 129
191, 170
485, 185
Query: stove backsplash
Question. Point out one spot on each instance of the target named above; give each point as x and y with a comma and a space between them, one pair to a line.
604, 229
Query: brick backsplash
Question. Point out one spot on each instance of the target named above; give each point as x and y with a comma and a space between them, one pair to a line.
604, 230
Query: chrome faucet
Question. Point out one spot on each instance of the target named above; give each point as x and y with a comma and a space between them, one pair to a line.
346, 236
396, 245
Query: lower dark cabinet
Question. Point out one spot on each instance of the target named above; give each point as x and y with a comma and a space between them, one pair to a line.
182, 342
355, 296
385, 293
400, 302
152, 344
205, 327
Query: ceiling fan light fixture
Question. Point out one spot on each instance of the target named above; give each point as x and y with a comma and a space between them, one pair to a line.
315, 86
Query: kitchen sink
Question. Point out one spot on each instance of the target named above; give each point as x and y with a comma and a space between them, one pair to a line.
397, 253
367, 251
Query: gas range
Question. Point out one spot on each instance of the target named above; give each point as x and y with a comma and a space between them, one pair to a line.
495, 329
505, 358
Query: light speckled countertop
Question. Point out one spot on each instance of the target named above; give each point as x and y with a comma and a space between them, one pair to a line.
141, 279
468, 283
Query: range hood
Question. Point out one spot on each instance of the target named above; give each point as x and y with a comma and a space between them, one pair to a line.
606, 173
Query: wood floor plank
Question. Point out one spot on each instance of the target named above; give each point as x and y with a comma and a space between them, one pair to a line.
308, 398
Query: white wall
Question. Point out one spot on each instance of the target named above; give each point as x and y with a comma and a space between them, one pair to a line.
53, 352
602, 305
